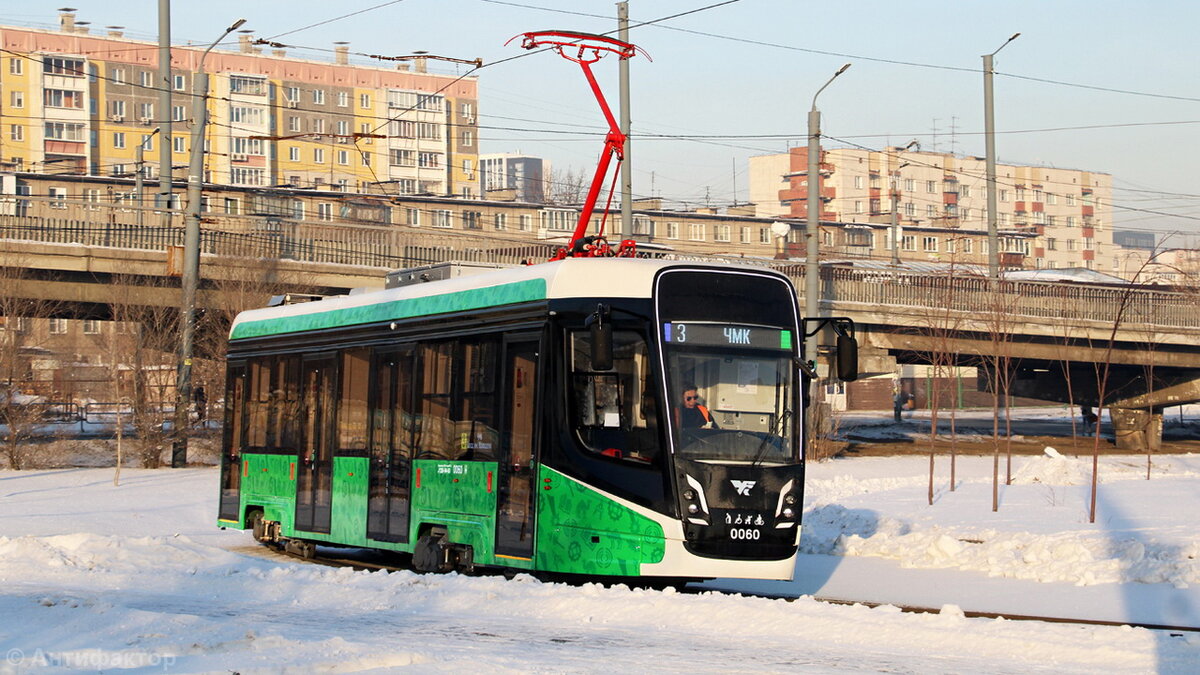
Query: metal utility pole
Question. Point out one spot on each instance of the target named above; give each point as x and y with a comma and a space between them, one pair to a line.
191, 257
165, 175
626, 167
812, 262
989, 125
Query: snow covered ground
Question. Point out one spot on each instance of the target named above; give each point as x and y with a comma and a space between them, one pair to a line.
137, 578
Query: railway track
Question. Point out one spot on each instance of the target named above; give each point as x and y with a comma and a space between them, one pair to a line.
364, 563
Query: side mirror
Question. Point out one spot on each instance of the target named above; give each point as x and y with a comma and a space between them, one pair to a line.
847, 358
602, 339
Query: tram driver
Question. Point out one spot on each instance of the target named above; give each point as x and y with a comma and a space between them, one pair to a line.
691, 414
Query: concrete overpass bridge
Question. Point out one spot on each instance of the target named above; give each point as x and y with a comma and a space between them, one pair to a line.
1039, 335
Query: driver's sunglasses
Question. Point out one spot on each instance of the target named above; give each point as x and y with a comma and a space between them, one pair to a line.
690, 398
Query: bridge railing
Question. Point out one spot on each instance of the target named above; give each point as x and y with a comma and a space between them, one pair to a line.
393, 246
1036, 299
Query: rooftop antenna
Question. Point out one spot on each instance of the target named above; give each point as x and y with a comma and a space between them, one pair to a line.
586, 49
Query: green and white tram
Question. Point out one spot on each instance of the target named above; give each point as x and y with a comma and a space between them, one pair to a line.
531, 418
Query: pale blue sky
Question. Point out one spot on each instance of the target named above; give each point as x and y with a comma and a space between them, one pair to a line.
752, 66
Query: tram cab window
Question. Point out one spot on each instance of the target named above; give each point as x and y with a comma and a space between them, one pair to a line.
742, 378
613, 410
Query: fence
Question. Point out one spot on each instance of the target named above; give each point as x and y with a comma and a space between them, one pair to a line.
392, 247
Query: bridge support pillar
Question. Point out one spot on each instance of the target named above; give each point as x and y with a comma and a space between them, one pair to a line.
1137, 429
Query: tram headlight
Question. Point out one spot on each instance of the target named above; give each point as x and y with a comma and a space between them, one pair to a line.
689, 495
789, 499
693, 509
788, 512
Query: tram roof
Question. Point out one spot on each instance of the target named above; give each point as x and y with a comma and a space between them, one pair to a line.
570, 278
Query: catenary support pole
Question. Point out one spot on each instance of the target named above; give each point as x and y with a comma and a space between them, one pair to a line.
626, 167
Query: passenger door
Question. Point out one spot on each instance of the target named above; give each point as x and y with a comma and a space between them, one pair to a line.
314, 480
515, 494
391, 447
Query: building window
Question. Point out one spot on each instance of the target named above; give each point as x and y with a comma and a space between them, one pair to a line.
1071, 246
910, 184
672, 230
324, 211
930, 211
468, 138
858, 206
318, 126
364, 100
764, 235
501, 219
526, 221
16, 65
442, 218
696, 231
343, 99
1070, 200
721, 233
179, 82
17, 99
57, 65
319, 155
179, 143
17, 132
246, 115
910, 210
929, 244
931, 186
247, 85
1051, 244
293, 123
318, 96
858, 182
908, 242
119, 139
429, 160
58, 326
63, 98
1004, 195
58, 197
343, 157
1051, 198
472, 220
91, 326
413, 217
964, 191
746, 235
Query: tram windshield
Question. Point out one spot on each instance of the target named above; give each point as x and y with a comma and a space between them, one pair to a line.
733, 391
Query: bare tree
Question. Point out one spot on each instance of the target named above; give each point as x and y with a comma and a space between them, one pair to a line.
20, 341
566, 187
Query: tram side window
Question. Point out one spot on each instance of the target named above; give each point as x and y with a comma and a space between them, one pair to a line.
284, 418
614, 410
458, 407
235, 407
257, 403
352, 403
434, 428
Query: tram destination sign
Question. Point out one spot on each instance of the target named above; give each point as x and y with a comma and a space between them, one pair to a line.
726, 335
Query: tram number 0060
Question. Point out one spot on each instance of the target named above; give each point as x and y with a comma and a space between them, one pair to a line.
745, 533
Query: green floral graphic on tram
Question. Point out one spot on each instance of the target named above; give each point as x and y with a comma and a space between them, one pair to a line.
582, 531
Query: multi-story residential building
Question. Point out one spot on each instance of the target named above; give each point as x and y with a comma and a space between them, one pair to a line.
525, 176
1051, 218
79, 103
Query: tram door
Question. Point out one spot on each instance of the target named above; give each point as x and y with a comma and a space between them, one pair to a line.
515, 484
314, 476
231, 463
391, 447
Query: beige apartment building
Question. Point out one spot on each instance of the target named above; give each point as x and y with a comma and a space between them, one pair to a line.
1049, 218
79, 103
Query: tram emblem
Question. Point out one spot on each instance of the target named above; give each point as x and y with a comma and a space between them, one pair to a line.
743, 487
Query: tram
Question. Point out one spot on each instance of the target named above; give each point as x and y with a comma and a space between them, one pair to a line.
615, 417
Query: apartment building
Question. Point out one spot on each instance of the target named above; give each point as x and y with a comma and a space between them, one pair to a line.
1049, 218
74, 102
525, 176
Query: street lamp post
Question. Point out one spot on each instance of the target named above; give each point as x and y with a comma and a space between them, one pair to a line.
989, 123
191, 256
812, 264
139, 177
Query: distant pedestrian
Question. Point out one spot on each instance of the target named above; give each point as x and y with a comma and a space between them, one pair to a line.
899, 400
1089, 417
200, 399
